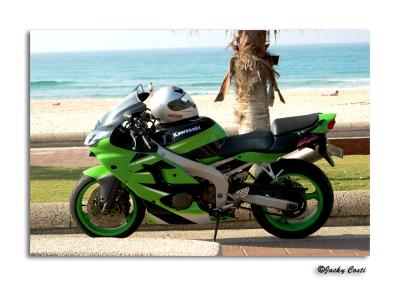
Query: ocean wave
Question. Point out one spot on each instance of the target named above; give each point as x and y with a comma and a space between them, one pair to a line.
204, 84
50, 83
325, 83
349, 79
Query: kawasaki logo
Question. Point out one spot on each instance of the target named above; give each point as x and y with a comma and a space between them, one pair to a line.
179, 133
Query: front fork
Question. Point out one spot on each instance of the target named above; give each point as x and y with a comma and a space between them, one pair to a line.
109, 186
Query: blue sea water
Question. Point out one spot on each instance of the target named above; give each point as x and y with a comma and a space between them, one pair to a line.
112, 74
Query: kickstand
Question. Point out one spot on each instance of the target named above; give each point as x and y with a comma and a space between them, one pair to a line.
216, 228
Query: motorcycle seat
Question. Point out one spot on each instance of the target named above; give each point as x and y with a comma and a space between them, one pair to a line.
282, 126
258, 140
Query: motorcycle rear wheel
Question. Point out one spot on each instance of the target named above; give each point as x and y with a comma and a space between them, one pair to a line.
87, 216
318, 193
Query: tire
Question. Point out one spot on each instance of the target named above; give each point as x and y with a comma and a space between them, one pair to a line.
285, 226
133, 220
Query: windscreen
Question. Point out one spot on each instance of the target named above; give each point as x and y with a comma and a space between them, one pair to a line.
114, 115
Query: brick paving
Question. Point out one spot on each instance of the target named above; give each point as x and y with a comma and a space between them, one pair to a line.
333, 243
239, 250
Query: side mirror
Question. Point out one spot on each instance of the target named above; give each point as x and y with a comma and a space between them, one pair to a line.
143, 96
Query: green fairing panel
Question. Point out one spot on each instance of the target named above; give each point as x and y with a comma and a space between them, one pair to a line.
96, 172
211, 160
117, 161
323, 122
143, 178
258, 157
208, 136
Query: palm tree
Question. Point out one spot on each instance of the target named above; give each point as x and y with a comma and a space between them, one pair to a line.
251, 68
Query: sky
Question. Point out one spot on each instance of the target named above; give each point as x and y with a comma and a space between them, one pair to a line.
99, 40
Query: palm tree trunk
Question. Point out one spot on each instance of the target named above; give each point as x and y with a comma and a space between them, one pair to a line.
253, 113
252, 69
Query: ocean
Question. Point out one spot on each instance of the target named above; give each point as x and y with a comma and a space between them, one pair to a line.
113, 74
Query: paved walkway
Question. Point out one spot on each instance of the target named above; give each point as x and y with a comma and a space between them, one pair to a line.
65, 156
328, 241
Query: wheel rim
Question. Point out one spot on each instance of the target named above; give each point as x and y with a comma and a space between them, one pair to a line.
84, 216
295, 224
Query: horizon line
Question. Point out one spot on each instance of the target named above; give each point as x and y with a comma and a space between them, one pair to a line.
179, 48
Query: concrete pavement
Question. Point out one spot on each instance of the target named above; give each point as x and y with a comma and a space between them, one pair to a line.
328, 241
68, 245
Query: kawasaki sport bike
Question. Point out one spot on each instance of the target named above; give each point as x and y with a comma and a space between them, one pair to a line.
190, 171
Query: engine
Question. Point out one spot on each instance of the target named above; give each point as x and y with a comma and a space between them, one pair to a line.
183, 200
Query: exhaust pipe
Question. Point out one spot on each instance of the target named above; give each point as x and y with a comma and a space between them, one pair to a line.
312, 155
306, 154
270, 202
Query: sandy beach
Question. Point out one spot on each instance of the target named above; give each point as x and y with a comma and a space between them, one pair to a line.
80, 115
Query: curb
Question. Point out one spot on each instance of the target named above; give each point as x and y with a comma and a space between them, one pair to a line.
41, 140
350, 208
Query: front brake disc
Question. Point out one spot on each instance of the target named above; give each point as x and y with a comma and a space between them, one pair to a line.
114, 218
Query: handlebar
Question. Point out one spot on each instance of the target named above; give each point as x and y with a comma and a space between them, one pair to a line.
140, 133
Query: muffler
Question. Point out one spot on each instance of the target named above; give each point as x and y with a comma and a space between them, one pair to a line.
306, 154
312, 155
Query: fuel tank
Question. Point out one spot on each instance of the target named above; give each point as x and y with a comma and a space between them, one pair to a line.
195, 138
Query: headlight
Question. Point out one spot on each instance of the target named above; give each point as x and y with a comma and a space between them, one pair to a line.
95, 136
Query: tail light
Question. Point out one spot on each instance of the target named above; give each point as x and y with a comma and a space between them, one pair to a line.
331, 124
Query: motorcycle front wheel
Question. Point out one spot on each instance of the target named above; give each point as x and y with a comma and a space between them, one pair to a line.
312, 185
121, 221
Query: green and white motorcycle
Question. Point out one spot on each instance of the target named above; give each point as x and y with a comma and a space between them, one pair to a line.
184, 169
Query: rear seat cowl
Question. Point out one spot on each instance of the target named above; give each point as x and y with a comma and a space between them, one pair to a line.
282, 126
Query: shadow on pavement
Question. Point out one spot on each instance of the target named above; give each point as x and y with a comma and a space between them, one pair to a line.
346, 241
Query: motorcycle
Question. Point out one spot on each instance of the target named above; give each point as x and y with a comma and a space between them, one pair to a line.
191, 172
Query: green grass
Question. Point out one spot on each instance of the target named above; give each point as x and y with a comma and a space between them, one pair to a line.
349, 173
54, 184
